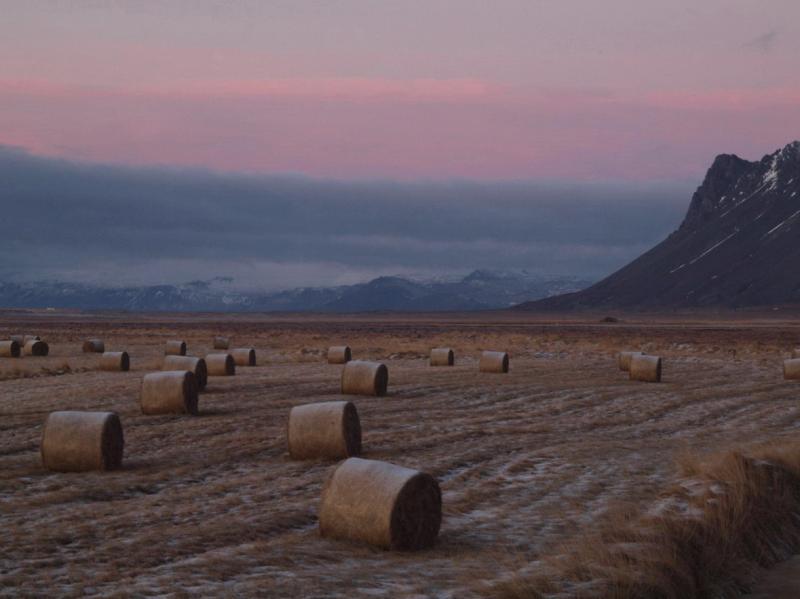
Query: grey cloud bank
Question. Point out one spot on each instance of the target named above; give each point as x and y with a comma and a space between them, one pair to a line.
119, 225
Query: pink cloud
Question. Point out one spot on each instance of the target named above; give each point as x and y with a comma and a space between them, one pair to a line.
401, 129
728, 99
341, 88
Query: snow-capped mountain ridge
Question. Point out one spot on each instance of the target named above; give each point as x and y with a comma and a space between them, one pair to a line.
479, 290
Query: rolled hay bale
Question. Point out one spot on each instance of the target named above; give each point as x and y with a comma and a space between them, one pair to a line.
175, 347
791, 369
364, 378
221, 342
442, 356
9, 349
339, 354
381, 504
80, 441
493, 361
624, 359
115, 361
645, 368
197, 366
94, 346
329, 429
19, 339
220, 365
169, 392
244, 356
36, 348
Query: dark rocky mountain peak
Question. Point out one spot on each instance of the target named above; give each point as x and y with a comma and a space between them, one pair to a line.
738, 245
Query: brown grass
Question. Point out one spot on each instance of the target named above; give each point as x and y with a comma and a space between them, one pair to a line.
707, 536
29, 370
527, 462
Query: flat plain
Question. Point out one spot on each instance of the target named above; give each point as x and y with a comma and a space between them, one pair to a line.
528, 461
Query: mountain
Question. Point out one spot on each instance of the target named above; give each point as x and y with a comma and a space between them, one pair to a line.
480, 290
738, 245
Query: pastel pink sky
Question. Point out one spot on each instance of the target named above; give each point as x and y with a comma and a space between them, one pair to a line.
619, 89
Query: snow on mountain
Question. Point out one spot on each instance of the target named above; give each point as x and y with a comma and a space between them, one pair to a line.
738, 245
480, 290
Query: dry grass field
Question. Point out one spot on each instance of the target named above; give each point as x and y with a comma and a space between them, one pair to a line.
534, 465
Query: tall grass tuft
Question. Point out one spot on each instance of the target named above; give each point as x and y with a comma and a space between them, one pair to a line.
707, 536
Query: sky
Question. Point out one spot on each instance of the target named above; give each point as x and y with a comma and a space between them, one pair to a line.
583, 99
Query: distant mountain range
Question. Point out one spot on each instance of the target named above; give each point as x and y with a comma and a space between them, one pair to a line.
480, 290
738, 246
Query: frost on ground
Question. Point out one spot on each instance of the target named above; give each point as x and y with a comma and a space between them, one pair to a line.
527, 461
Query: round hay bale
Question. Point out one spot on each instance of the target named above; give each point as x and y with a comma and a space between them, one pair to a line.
221, 342
364, 378
381, 504
339, 354
175, 347
19, 339
791, 369
493, 361
170, 392
220, 365
244, 356
645, 368
9, 349
329, 429
115, 361
36, 348
624, 359
442, 356
94, 346
190, 363
27, 338
80, 441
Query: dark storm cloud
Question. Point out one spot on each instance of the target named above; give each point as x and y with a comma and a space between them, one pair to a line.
763, 42
62, 219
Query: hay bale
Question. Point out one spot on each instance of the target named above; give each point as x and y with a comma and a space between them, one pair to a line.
624, 359
329, 429
220, 365
645, 368
36, 348
221, 342
365, 378
244, 356
381, 504
80, 441
175, 347
190, 363
169, 392
791, 369
442, 356
9, 349
27, 338
339, 354
20, 339
493, 361
94, 346
115, 361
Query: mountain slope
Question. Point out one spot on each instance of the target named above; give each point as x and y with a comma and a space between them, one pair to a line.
739, 245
